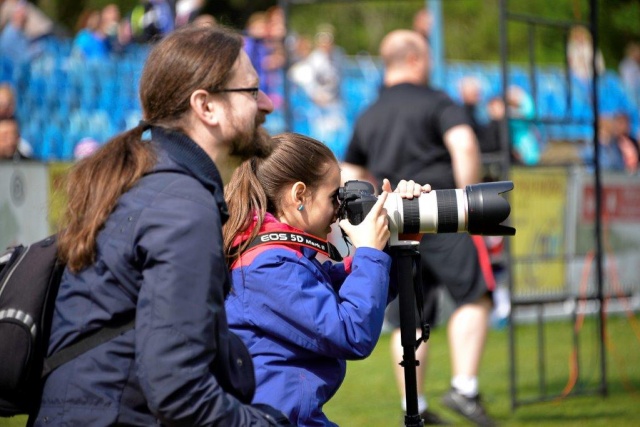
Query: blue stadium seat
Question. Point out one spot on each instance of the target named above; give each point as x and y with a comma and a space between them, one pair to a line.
6, 69
51, 144
99, 126
132, 118
520, 77
78, 122
108, 95
64, 98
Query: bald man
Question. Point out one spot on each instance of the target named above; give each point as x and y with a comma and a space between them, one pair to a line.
416, 132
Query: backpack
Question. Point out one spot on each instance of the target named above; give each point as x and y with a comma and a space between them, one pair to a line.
29, 280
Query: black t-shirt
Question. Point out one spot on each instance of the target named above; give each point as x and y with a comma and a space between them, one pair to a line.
401, 136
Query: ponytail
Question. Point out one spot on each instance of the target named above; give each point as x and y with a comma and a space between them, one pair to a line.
93, 188
245, 199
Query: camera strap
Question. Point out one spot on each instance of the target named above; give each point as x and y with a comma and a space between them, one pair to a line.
292, 238
417, 287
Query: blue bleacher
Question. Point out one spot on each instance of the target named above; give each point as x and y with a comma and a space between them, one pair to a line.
6, 70
63, 99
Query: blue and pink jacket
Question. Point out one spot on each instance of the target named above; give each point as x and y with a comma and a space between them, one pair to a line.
302, 319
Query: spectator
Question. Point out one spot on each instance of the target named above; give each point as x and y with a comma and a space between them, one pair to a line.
418, 132
142, 242
612, 97
580, 54
471, 97
7, 111
488, 124
256, 46
114, 29
10, 141
319, 76
14, 42
151, 20
618, 150
423, 22
526, 142
90, 41
38, 24
276, 40
526, 145
276, 28
629, 146
264, 46
300, 318
491, 136
630, 71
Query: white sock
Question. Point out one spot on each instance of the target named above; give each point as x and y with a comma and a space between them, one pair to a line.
422, 404
467, 386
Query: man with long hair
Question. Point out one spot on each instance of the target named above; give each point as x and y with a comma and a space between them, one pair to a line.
142, 240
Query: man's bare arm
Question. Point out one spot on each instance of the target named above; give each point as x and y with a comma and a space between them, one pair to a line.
465, 155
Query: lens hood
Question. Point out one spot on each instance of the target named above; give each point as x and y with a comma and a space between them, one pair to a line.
487, 208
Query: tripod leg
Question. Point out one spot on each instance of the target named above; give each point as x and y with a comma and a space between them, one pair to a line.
406, 298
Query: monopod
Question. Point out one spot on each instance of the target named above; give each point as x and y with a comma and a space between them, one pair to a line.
407, 257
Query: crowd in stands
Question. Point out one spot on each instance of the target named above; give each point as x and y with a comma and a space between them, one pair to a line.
556, 105
86, 86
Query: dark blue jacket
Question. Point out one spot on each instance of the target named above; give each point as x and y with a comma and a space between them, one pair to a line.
159, 256
301, 320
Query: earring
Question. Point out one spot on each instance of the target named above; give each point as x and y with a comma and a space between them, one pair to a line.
301, 207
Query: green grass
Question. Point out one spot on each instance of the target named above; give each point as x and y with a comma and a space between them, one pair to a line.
369, 396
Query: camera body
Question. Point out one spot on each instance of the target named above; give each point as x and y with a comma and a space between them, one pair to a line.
478, 209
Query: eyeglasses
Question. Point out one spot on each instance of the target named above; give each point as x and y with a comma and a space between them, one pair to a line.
253, 91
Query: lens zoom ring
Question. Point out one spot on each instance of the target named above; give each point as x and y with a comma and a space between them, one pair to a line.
447, 211
411, 216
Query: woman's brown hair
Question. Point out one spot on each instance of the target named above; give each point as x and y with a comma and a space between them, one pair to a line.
190, 58
256, 186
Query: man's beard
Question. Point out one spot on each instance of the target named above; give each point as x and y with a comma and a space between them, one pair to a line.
254, 142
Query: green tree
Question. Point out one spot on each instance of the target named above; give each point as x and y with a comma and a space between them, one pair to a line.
470, 26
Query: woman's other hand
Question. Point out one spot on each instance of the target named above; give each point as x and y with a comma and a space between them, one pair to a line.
406, 189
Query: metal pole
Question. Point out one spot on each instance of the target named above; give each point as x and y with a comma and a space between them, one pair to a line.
436, 43
504, 144
598, 193
542, 370
532, 68
286, 87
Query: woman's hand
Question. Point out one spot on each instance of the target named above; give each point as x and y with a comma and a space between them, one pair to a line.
373, 232
406, 189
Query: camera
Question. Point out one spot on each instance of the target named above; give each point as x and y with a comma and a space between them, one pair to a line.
478, 209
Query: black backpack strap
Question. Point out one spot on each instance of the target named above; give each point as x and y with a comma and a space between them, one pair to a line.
85, 344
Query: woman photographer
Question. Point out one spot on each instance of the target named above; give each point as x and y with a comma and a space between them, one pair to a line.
302, 319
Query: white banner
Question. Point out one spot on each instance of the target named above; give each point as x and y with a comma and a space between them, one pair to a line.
24, 202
